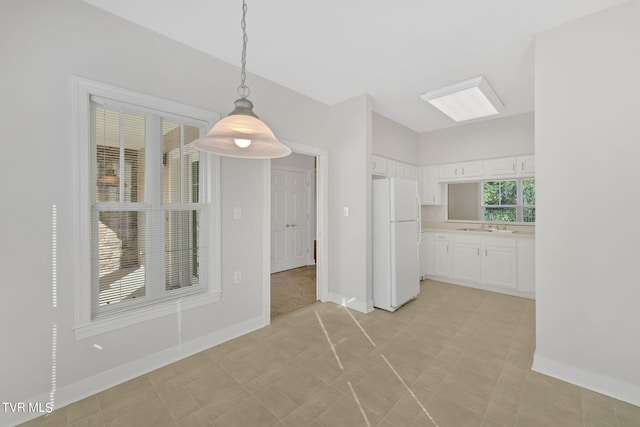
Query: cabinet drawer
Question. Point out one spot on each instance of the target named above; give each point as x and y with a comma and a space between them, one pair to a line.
501, 242
467, 238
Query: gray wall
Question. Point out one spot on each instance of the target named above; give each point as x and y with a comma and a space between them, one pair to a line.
393, 140
587, 151
503, 137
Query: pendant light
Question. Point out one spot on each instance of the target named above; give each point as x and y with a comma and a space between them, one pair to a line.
242, 133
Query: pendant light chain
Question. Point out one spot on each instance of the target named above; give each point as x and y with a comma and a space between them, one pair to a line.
243, 89
242, 134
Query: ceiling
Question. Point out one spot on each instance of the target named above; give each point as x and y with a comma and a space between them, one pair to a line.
393, 50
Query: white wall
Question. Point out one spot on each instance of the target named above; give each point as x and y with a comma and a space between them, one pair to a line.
295, 160
350, 186
393, 140
587, 151
502, 137
43, 45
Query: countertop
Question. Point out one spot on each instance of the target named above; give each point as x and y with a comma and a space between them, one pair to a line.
479, 231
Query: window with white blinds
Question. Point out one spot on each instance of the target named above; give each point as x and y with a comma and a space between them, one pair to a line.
146, 209
148, 213
148, 220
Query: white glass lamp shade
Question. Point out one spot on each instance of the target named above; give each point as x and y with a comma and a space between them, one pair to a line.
242, 134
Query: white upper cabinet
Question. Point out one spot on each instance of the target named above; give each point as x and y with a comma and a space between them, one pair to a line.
461, 171
393, 169
510, 167
379, 166
448, 172
499, 168
472, 170
431, 189
526, 165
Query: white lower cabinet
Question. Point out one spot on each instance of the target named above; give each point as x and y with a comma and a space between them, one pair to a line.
499, 262
442, 255
467, 263
503, 264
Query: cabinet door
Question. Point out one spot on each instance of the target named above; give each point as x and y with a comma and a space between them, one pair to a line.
470, 170
430, 254
431, 188
467, 263
501, 167
499, 266
448, 172
526, 165
379, 166
442, 265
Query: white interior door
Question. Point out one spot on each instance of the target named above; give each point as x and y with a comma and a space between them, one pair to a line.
289, 220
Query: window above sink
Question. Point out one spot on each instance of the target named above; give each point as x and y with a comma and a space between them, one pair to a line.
507, 201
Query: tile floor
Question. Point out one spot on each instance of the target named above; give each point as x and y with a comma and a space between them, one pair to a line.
292, 289
453, 357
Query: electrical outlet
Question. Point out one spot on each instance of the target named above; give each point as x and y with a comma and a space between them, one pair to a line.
346, 211
237, 277
237, 213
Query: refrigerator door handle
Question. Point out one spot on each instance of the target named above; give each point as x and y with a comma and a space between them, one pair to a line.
419, 213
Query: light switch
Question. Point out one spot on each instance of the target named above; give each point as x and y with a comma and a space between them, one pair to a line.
237, 213
346, 211
237, 277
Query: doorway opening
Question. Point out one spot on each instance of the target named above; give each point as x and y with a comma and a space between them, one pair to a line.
293, 282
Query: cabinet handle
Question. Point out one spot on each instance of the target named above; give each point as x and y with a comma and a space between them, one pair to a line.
513, 167
478, 251
462, 171
522, 166
447, 248
485, 253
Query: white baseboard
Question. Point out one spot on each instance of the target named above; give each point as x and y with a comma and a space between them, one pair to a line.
361, 306
498, 289
104, 380
605, 385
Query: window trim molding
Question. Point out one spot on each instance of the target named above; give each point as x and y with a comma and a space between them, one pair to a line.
519, 206
84, 326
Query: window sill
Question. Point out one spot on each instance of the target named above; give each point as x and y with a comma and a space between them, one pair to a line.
165, 308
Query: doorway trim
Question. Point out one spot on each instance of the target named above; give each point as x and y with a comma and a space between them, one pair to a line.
322, 224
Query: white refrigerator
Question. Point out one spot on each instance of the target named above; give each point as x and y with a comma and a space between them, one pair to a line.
396, 242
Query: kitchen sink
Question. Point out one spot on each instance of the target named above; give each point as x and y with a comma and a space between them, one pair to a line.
487, 230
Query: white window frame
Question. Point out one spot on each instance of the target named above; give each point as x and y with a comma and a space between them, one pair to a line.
519, 206
84, 325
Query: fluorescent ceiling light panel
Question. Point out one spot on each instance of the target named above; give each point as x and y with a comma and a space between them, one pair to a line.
467, 100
